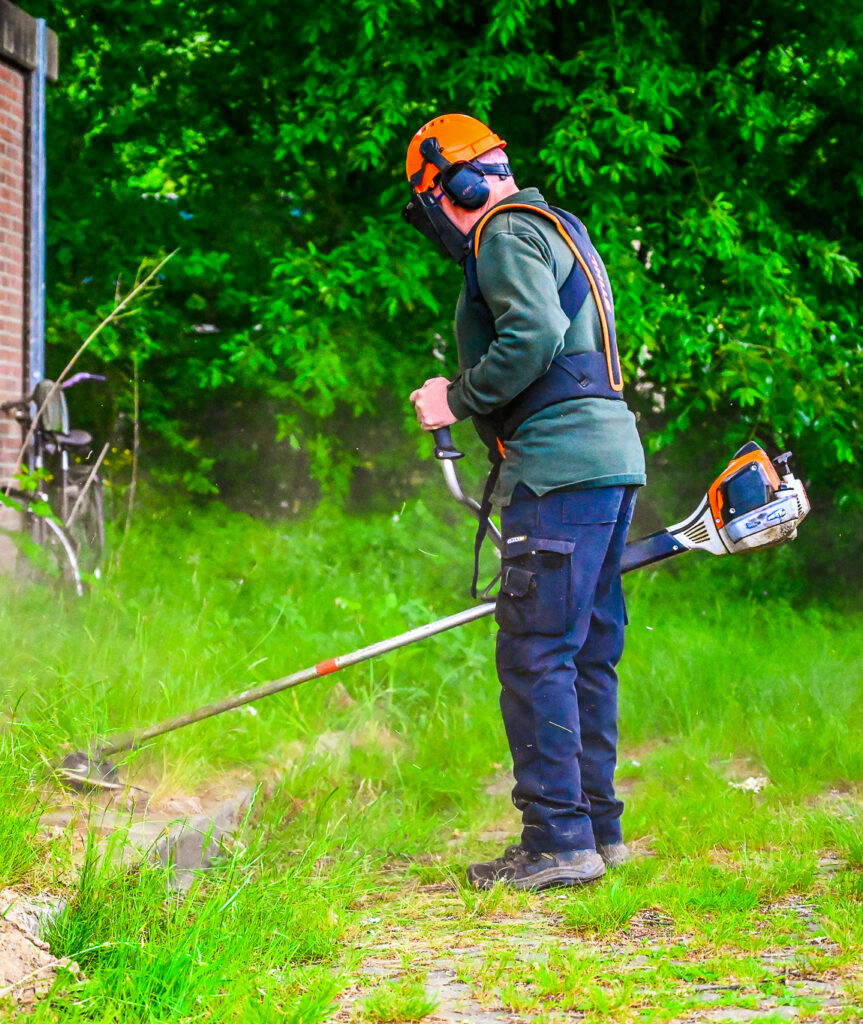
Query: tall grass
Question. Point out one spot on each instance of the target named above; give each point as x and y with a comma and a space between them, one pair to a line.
249, 944
198, 603
383, 763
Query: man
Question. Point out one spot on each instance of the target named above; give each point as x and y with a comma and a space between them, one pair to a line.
539, 376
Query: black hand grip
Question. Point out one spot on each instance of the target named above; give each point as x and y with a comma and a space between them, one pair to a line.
443, 446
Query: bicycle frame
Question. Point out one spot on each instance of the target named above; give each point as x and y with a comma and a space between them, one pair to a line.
21, 501
47, 403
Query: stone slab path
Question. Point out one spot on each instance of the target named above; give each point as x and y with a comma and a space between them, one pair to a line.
472, 965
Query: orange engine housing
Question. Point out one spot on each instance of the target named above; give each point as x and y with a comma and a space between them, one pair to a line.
715, 496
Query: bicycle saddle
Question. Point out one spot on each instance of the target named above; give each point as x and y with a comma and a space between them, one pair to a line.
74, 439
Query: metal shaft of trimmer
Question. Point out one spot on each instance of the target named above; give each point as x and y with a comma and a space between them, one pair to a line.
324, 668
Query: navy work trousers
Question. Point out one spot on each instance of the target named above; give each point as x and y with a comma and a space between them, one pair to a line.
561, 616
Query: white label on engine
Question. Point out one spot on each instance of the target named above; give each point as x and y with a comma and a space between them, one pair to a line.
774, 514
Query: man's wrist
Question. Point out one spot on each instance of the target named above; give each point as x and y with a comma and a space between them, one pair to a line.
455, 399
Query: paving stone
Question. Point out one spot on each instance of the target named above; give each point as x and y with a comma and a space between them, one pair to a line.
741, 1015
442, 980
819, 989
455, 1003
716, 991
638, 962
472, 1015
778, 955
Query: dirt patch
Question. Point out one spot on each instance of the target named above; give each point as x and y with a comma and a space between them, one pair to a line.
845, 800
183, 832
27, 968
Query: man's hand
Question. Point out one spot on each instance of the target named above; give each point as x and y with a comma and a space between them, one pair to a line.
431, 405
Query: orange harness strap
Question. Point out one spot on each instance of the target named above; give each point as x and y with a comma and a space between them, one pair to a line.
616, 384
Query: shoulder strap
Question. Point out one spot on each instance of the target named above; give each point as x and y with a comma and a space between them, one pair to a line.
600, 293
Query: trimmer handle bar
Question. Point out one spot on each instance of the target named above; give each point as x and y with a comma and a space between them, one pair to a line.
447, 454
443, 445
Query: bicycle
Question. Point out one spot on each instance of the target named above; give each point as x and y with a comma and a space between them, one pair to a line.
63, 512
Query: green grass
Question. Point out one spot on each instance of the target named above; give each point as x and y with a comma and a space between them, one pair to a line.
374, 794
259, 938
402, 1000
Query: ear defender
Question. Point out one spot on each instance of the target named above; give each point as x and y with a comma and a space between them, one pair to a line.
463, 183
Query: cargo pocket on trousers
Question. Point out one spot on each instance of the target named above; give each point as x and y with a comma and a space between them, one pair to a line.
535, 586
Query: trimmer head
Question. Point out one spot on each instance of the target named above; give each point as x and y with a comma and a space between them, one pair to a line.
83, 773
748, 506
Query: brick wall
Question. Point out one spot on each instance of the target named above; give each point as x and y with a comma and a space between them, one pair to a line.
13, 265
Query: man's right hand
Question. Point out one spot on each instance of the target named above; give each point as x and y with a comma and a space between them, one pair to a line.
431, 406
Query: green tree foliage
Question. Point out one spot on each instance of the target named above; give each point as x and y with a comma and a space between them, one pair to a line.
712, 148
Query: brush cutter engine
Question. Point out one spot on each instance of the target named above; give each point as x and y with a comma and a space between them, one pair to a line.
748, 506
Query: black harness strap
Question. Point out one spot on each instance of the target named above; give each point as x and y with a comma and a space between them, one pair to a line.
483, 517
578, 375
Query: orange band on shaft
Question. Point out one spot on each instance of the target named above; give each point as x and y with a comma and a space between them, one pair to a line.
324, 668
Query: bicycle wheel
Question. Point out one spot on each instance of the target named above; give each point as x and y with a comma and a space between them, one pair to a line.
87, 526
48, 549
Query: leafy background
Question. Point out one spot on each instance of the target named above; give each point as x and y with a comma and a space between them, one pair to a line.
712, 148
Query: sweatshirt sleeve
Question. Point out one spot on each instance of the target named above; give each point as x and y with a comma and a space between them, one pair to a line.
517, 281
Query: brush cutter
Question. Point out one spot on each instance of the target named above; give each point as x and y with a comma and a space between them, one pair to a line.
754, 503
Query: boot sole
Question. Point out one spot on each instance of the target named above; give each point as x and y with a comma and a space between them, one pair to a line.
552, 878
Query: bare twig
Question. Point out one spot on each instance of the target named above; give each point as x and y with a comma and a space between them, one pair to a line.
113, 315
87, 484
136, 442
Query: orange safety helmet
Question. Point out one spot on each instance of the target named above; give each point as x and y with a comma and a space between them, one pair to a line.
460, 138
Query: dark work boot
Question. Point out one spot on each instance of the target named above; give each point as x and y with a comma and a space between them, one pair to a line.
524, 869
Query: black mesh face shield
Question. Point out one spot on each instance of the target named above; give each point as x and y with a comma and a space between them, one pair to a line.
423, 212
